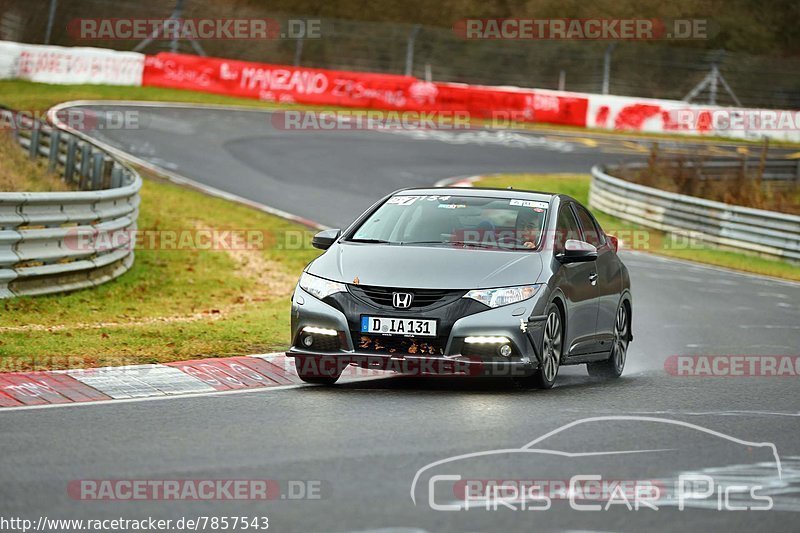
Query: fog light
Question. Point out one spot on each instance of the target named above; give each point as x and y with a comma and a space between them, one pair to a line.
322, 339
505, 350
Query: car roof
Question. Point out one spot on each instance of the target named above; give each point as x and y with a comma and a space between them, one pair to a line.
516, 194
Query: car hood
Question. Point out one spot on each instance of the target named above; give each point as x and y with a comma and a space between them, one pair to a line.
427, 267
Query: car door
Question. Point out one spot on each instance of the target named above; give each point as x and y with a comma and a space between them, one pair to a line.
579, 288
609, 280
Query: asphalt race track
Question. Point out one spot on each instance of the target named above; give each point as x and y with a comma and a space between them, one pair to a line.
365, 441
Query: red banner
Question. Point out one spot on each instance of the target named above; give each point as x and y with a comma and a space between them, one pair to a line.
285, 84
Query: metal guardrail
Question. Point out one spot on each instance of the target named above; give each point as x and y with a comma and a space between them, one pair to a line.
756, 230
63, 241
773, 170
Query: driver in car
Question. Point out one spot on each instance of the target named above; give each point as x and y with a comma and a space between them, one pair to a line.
529, 224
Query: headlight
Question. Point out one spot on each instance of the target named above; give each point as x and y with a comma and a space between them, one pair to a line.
320, 288
503, 296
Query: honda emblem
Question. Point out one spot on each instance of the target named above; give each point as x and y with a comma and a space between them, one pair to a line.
402, 300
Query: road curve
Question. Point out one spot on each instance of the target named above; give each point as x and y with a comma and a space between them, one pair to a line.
366, 441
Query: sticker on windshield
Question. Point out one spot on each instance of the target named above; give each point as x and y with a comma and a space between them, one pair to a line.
451, 206
403, 200
409, 200
529, 203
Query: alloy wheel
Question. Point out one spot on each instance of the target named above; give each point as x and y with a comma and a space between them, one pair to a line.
552, 346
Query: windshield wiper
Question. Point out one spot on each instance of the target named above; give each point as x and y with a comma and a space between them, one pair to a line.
371, 241
455, 243
475, 244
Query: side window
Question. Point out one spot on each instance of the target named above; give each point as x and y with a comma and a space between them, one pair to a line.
566, 228
591, 232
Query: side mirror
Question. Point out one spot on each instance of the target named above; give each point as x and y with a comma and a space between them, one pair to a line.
324, 239
577, 252
614, 242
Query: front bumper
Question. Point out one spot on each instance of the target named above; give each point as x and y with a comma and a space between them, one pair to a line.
447, 355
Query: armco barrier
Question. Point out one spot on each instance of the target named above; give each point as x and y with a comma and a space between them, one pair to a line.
755, 230
62, 241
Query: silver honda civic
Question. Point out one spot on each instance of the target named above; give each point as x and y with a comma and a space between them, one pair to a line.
463, 281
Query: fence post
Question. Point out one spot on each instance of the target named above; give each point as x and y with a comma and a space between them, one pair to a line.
86, 155
116, 177
298, 51
50, 19
55, 146
33, 149
607, 67
412, 37
69, 163
97, 171
108, 167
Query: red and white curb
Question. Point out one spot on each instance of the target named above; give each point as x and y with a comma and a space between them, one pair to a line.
202, 376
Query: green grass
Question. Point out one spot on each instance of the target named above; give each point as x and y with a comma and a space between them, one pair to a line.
636, 237
173, 304
19, 173
30, 96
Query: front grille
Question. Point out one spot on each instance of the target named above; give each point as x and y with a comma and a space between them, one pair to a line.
398, 345
382, 296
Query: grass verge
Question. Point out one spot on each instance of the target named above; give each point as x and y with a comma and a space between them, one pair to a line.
577, 186
173, 304
19, 173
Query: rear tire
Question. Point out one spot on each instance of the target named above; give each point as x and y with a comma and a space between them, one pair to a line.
615, 364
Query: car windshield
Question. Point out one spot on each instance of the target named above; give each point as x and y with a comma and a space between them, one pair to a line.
461, 221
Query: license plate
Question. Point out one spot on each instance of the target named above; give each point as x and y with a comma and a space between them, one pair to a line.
408, 327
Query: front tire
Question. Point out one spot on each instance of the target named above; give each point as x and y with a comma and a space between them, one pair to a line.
318, 380
552, 349
317, 370
615, 364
